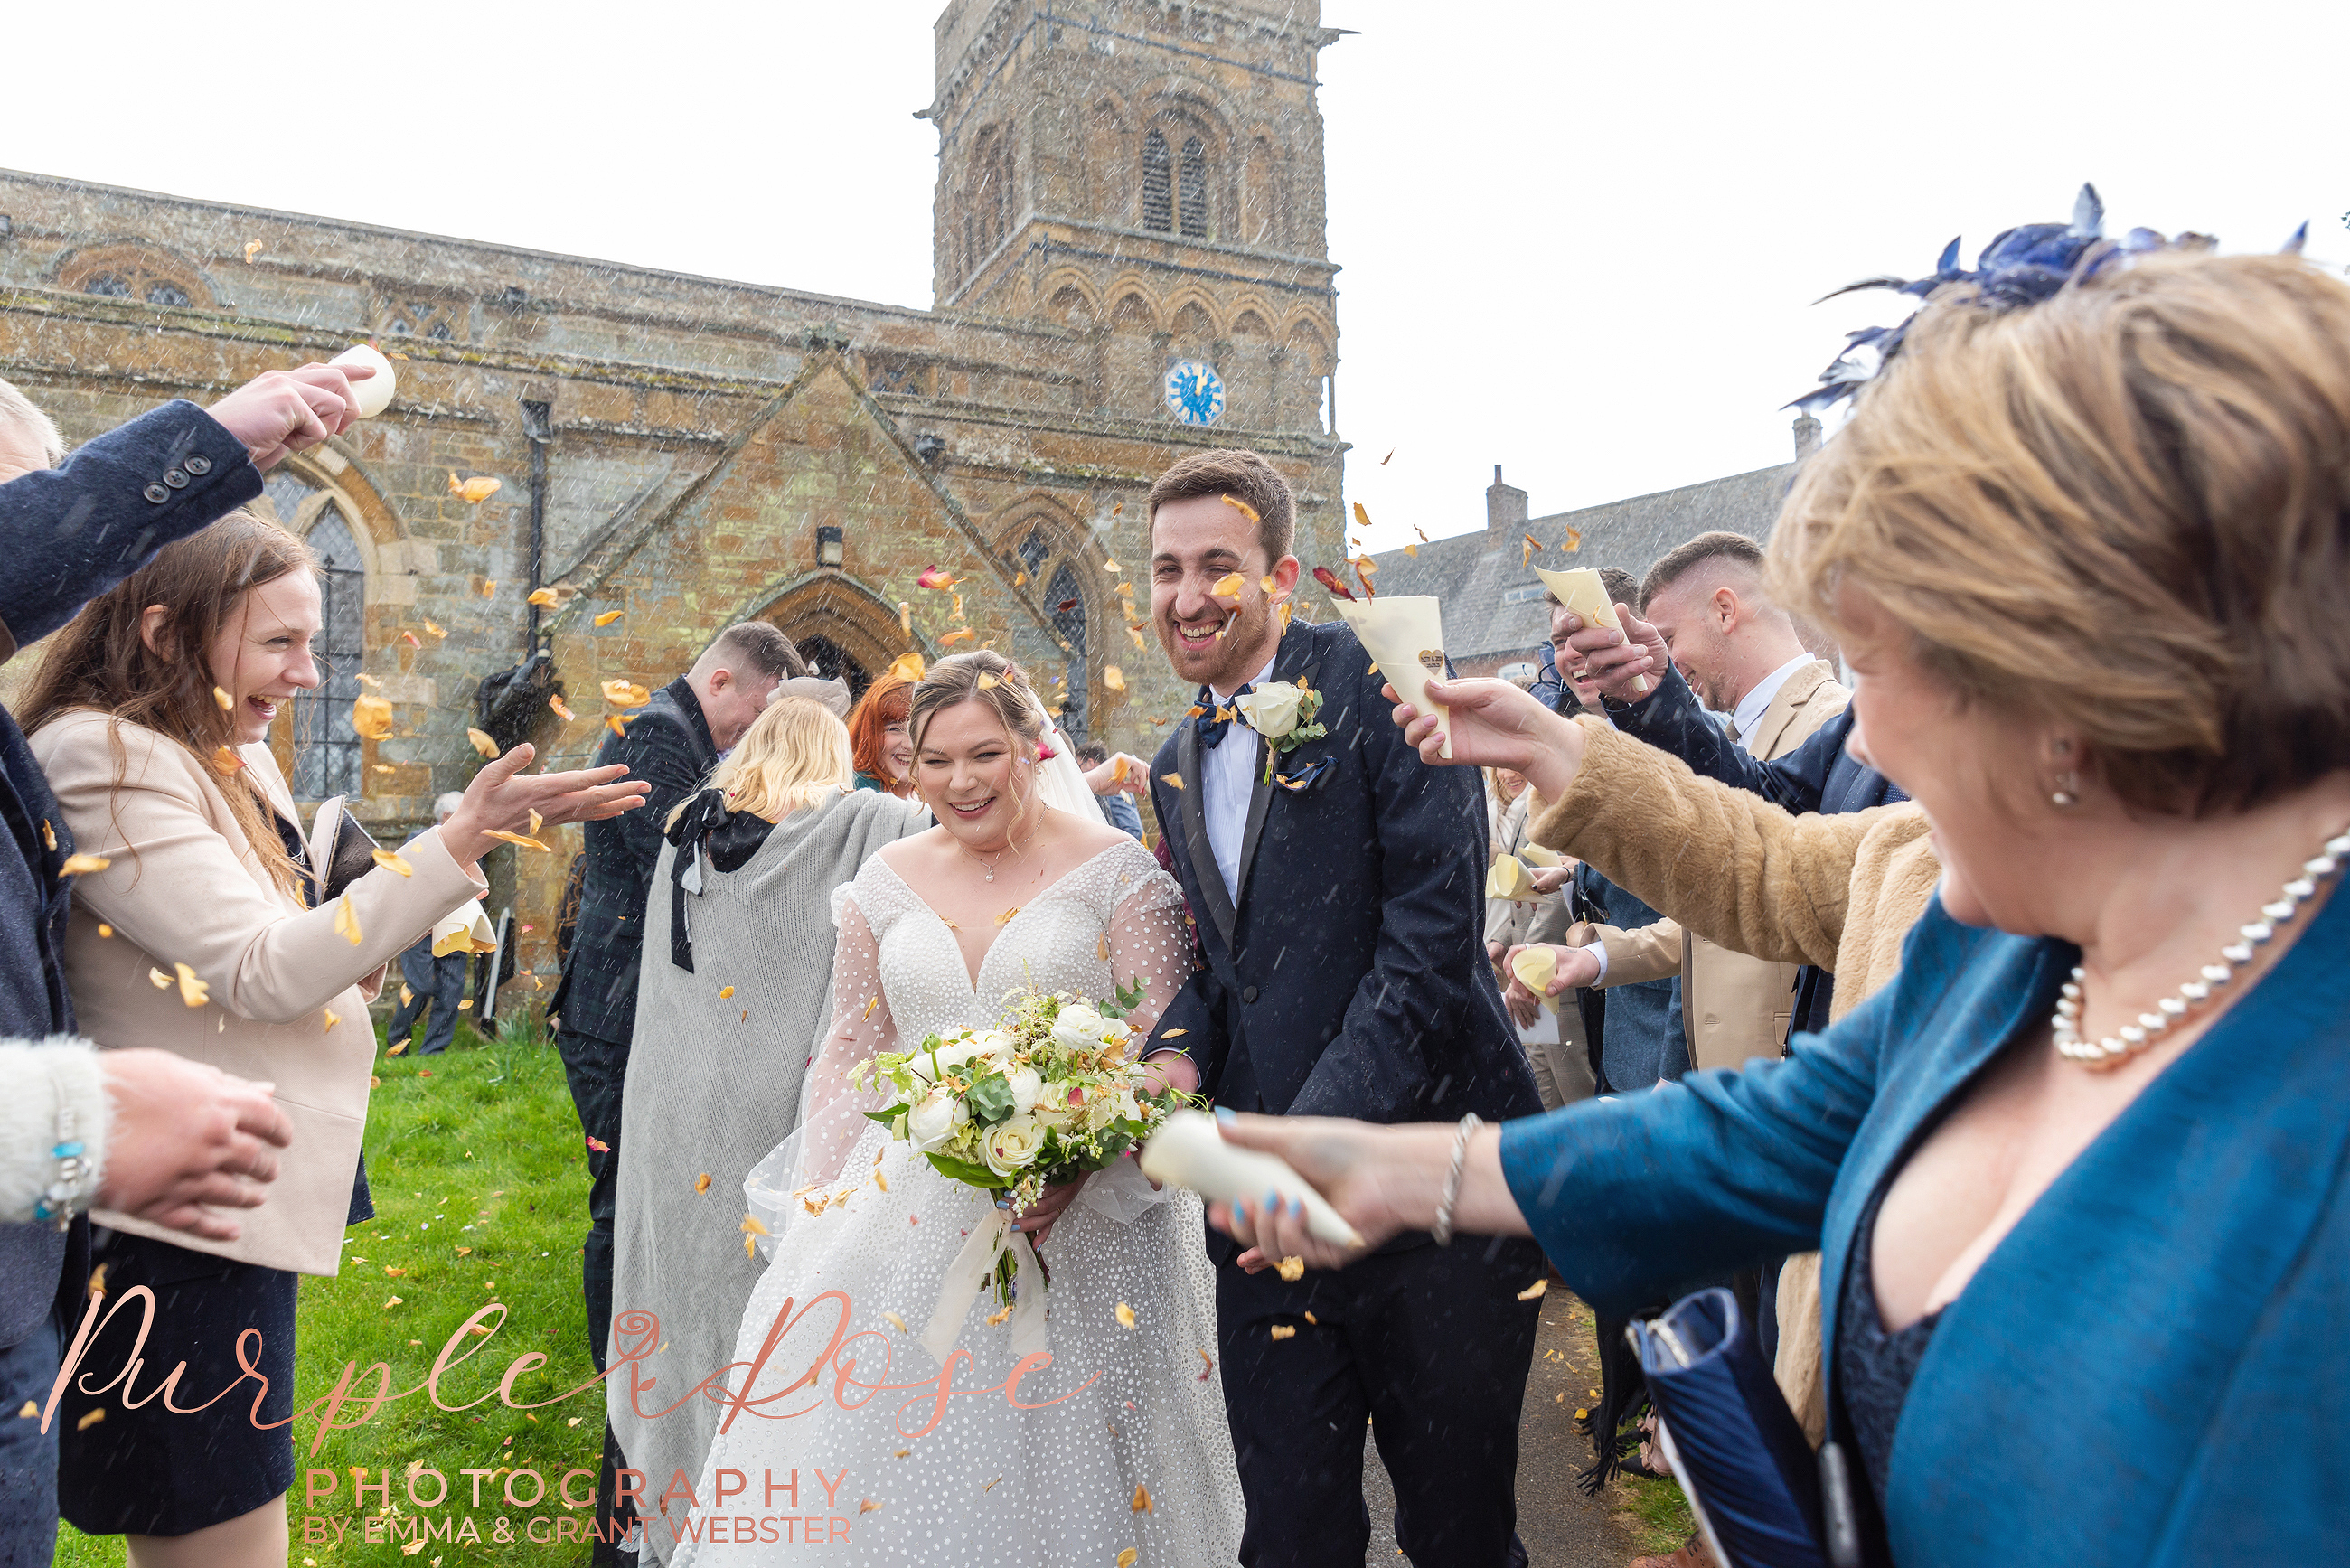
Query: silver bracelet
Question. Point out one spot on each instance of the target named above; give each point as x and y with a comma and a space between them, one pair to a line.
59, 1202
1442, 1232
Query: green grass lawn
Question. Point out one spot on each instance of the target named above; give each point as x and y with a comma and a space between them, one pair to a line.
481, 1192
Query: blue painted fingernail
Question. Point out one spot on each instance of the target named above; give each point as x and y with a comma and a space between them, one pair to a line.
1273, 1202
1003, 1203
1226, 1115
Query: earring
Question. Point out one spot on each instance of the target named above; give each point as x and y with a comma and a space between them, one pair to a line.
2064, 796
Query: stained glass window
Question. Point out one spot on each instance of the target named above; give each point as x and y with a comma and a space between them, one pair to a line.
1158, 192
1071, 624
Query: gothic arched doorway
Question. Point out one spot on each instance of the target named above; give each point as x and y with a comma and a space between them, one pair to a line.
838, 625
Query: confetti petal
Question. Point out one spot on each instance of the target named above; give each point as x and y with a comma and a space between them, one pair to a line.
935, 578
1292, 1270
391, 1301
410, 639
90, 1420
1572, 542
346, 921
1143, 1501
545, 598
609, 616
1125, 1316
1329, 579
617, 722
908, 666
868, 1506
1005, 918
626, 694
437, 632
1534, 1291
371, 717
391, 862
1113, 677
227, 763
536, 821
483, 742
1531, 545
701, 1182
473, 491
252, 249
1172, 781
524, 840
104, 929
1242, 507
194, 992
988, 682
1126, 1558
1283, 1331
905, 617
333, 1018
960, 634
227, 703
81, 864
396, 1048
597, 1145
870, 1004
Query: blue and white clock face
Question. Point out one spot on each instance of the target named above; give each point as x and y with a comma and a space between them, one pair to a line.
1195, 393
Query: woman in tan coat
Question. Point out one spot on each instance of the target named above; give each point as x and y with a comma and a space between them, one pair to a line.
196, 932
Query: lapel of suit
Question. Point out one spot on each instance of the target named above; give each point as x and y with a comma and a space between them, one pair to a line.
1195, 832
1297, 660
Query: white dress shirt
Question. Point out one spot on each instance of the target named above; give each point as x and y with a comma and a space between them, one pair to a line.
1751, 708
1227, 783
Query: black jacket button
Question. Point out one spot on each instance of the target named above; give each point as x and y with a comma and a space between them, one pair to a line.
199, 465
1248, 993
156, 493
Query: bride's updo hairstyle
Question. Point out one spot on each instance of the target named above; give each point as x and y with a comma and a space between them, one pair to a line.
2124, 510
955, 680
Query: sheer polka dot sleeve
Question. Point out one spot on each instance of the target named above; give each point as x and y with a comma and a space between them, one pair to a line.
1150, 944
831, 1106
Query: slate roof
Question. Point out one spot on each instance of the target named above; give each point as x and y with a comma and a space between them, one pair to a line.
1493, 604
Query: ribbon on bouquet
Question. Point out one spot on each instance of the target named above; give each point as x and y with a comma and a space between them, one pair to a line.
971, 1269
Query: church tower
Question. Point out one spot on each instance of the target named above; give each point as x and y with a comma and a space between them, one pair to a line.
1148, 172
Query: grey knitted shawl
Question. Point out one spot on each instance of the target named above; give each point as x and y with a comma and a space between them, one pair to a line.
713, 1085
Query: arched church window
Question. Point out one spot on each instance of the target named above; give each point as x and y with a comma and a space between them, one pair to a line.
1157, 190
1032, 551
132, 269
166, 294
1194, 189
1070, 622
828, 658
326, 746
106, 284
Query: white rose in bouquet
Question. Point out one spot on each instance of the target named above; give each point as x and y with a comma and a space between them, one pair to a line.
1079, 1027
1013, 1147
934, 1118
1028, 1085
1059, 1108
981, 1047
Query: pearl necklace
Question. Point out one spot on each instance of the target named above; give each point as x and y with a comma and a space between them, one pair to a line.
2114, 1048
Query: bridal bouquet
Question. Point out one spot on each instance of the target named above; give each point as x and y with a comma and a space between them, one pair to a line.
1055, 1090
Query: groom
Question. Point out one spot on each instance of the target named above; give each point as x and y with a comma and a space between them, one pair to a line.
1339, 911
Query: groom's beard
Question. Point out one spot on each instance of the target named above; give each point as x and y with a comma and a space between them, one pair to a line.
1237, 655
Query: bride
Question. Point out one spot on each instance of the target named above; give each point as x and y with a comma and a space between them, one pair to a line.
1112, 1445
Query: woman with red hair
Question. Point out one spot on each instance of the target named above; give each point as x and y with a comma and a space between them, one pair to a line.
878, 740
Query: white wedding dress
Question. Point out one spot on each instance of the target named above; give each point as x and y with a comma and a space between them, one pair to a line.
1121, 1412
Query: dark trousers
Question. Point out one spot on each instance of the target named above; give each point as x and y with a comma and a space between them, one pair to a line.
28, 1456
596, 1070
439, 982
1432, 1346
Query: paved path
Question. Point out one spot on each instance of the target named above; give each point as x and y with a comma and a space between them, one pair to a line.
1561, 1528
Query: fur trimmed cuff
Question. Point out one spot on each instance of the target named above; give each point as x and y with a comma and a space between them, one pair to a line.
38, 1078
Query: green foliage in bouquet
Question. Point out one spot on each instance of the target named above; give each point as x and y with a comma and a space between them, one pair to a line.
1054, 1091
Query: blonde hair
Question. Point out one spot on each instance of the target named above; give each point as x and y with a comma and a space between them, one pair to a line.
20, 409
794, 757
956, 679
2121, 511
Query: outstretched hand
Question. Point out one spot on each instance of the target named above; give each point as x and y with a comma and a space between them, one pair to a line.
280, 411
1495, 724
1355, 1165
502, 798
1121, 772
187, 1139
1611, 660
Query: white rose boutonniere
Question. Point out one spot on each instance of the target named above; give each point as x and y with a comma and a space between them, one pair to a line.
1283, 714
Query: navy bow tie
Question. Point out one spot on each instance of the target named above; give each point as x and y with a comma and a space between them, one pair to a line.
1216, 717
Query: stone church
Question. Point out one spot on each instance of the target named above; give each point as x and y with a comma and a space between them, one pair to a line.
1129, 264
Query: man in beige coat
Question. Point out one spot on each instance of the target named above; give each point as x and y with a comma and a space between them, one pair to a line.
1742, 656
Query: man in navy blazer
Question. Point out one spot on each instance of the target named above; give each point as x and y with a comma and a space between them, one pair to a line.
1336, 888
71, 530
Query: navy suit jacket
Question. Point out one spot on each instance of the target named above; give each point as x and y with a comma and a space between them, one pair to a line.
2149, 1369
1818, 775
1351, 979
68, 535
667, 745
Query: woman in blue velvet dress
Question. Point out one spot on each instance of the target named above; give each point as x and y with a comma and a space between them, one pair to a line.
2081, 1173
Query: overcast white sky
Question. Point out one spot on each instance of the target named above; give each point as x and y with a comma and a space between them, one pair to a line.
1578, 240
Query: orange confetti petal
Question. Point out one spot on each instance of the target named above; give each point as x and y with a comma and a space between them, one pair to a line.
1412, 550
225, 762
252, 249
1125, 1316
609, 616
1172, 781
483, 742
905, 617
473, 491
1005, 918
1572, 542
960, 634
1283, 1331
489, 588
396, 1048
346, 921
935, 577
725, 993
988, 682
617, 723
227, 703
1113, 677
1531, 545
701, 1182
1228, 586
908, 666
410, 639
104, 929
81, 864
626, 694
436, 632
868, 1506
545, 598
391, 862
1143, 1501
502, 836
90, 1419
371, 717
1242, 507
194, 992
1019, 579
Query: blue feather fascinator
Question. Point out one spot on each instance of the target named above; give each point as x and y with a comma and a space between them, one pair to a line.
2021, 266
